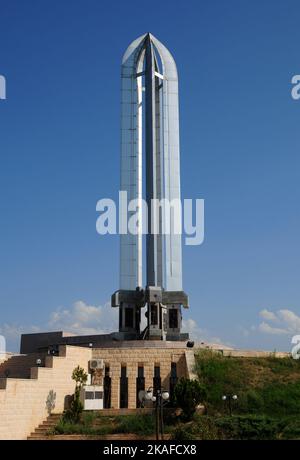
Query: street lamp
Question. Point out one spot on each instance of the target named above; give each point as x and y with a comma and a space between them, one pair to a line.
229, 398
149, 394
160, 399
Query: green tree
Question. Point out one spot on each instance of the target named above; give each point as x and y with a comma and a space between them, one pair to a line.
188, 394
80, 376
76, 408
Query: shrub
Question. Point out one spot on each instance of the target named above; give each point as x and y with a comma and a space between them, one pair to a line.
252, 427
188, 394
183, 433
74, 413
291, 429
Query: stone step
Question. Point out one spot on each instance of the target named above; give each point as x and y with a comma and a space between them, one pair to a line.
37, 437
48, 424
111, 437
52, 420
42, 429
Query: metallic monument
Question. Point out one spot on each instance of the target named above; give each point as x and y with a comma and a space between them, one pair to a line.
150, 136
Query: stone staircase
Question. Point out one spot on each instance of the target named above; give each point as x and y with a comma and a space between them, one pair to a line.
19, 366
41, 432
29, 390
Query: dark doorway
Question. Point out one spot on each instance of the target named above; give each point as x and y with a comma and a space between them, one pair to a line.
154, 315
173, 381
140, 384
107, 389
173, 318
123, 388
156, 379
128, 317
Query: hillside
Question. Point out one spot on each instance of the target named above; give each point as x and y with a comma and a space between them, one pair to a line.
267, 404
263, 385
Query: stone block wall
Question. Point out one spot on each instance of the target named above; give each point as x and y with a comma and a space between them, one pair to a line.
132, 358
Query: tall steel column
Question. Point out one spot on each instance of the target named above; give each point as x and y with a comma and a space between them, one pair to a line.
152, 161
147, 65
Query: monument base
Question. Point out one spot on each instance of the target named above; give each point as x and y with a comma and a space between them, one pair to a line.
126, 366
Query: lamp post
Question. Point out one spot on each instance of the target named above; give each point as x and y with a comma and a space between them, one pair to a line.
160, 399
229, 398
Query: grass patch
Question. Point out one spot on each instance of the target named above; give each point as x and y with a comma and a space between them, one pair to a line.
92, 423
266, 386
239, 427
139, 424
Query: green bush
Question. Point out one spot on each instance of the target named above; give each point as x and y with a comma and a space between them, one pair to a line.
246, 427
291, 429
183, 433
188, 394
250, 427
74, 413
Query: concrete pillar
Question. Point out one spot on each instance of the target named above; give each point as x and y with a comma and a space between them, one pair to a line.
115, 385
149, 373
132, 375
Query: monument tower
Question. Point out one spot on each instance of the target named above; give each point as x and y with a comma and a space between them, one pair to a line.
150, 149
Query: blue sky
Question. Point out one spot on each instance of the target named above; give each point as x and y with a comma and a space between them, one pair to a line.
59, 154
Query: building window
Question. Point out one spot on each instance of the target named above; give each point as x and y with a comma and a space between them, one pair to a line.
173, 318
128, 317
154, 316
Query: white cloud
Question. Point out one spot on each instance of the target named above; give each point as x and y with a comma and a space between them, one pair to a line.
287, 322
84, 319
79, 319
13, 331
268, 315
201, 335
267, 329
291, 320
